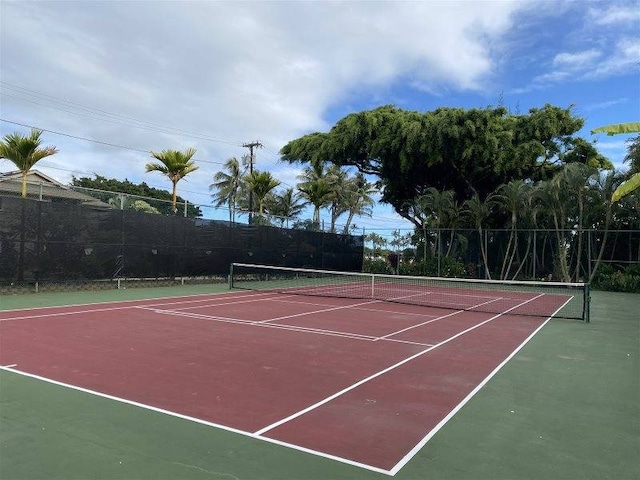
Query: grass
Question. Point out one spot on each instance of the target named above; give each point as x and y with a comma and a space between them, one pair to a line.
566, 407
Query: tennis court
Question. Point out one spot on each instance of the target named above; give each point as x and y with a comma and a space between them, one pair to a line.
305, 365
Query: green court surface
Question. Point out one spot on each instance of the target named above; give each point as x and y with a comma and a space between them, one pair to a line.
567, 406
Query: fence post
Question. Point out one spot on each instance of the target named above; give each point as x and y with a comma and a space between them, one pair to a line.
535, 256
589, 252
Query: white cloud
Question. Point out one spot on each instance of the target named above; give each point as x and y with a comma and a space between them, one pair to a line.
232, 71
235, 72
620, 59
577, 60
625, 58
614, 14
605, 104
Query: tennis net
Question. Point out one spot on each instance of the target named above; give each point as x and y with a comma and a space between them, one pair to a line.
543, 299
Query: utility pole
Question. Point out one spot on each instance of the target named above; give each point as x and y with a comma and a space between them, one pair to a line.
252, 158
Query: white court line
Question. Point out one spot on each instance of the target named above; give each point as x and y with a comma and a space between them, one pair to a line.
441, 304
229, 293
195, 315
106, 309
197, 420
465, 400
484, 303
376, 310
382, 372
283, 326
253, 299
331, 309
9, 366
258, 435
296, 328
385, 337
64, 314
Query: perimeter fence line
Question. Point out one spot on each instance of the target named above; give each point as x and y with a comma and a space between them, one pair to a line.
529, 254
567, 255
61, 243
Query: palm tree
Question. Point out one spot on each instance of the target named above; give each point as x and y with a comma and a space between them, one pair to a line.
357, 199
434, 207
316, 189
550, 200
602, 211
513, 198
227, 185
477, 212
261, 184
24, 152
633, 155
377, 241
338, 181
175, 165
454, 219
284, 206
574, 179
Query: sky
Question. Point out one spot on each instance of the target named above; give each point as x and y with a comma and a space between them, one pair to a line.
110, 81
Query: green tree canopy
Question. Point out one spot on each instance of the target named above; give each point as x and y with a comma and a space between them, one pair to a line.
471, 152
140, 189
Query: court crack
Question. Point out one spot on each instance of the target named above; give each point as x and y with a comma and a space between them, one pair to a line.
211, 472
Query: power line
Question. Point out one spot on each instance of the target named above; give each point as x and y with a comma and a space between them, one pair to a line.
100, 142
116, 118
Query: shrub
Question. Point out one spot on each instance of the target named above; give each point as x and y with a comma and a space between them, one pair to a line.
376, 266
449, 267
613, 280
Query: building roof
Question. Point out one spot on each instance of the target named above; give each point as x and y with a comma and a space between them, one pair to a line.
43, 187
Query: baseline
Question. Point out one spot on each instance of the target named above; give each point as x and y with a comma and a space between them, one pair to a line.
12, 369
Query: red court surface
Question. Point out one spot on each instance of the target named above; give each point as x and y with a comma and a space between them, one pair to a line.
362, 382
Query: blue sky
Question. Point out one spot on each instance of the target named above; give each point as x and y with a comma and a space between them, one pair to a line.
215, 75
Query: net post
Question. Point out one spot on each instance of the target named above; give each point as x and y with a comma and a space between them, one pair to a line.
587, 303
231, 276
373, 290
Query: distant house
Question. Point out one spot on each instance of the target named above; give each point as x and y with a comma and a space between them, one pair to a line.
44, 188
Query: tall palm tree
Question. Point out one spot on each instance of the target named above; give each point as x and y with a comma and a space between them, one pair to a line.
512, 197
316, 189
633, 155
575, 178
454, 219
175, 165
261, 184
434, 207
338, 181
601, 209
357, 199
24, 152
227, 185
477, 212
285, 205
377, 241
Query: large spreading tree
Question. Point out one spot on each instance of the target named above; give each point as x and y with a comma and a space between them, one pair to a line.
470, 152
